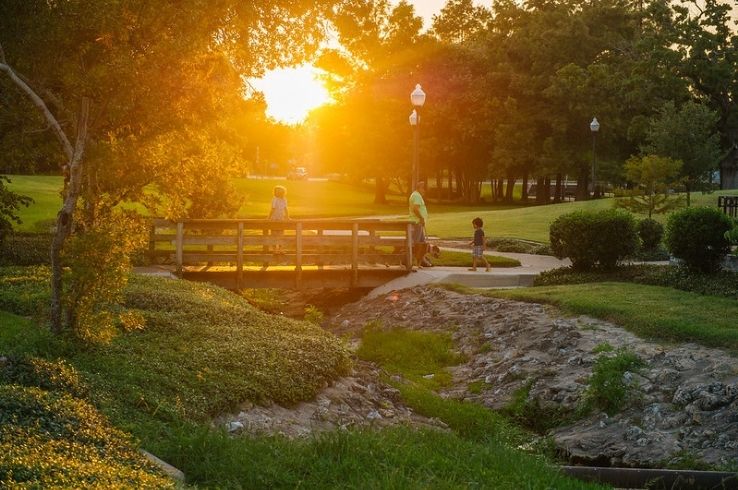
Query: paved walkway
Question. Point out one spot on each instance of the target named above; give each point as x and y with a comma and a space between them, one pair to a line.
507, 277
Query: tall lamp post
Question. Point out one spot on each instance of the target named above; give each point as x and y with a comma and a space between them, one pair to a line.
417, 98
594, 126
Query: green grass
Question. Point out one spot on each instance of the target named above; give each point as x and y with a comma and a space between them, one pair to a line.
449, 258
330, 199
398, 458
648, 311
414, 354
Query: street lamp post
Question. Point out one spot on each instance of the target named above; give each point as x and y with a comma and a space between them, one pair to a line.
594, 126
417, 98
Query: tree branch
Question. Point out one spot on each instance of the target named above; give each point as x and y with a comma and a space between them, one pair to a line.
40, 104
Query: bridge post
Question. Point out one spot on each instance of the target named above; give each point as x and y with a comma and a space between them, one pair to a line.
180, 247
354, 254
409, 242
298, 254
239, 257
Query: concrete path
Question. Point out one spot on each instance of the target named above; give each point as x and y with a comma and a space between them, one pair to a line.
508, 277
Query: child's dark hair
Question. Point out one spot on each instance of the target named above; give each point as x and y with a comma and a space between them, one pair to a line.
478, 222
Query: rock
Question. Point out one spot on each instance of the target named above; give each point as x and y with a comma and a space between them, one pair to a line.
234, 426
373, 415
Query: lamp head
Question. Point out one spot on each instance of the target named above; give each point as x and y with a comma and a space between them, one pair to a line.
417, 97
594, 126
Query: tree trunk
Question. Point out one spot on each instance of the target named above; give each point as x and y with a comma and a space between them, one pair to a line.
524, 195
583, 185
540, 193
559, 194
380, 190
510, 188
729, 170
547, 189
65, 218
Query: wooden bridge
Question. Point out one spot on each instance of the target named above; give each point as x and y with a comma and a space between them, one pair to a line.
302, 253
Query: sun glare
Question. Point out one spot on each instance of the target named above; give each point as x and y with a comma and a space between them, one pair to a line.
291, 93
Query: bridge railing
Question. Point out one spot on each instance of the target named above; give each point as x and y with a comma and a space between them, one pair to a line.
259, 243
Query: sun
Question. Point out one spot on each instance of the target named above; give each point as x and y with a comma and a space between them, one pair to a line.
291, 93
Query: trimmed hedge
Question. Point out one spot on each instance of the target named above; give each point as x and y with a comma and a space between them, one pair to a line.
697, 236
591, 239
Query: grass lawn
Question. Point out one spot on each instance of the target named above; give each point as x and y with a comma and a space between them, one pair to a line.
464, 259
325, 199
648, 311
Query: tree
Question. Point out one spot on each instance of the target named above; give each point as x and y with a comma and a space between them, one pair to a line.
686, 134
460, 21
654, 176
704, 38
10, 203
124, 79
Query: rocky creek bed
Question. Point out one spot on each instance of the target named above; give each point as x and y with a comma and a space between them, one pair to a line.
684, 399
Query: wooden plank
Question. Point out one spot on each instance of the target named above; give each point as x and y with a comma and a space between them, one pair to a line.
285, 279
211, 240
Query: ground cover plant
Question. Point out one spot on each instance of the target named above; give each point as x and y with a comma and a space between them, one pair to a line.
649, 311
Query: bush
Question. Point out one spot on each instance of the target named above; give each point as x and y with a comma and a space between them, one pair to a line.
651, 232
592, 239
26, 249
697, 236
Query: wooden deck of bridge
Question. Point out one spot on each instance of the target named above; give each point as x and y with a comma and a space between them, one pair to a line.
307, 253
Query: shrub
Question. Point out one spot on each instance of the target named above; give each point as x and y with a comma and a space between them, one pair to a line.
594, 238
697, 236
651, 232
25, 249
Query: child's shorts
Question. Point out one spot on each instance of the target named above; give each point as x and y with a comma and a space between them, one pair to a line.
478, 251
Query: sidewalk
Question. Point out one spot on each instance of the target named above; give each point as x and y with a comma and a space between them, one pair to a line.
508, 277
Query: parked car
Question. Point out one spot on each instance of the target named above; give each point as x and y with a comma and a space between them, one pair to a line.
297, 173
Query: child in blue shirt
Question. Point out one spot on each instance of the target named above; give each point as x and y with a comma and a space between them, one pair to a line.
478, 245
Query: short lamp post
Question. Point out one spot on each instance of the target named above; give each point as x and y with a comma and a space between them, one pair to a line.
417, 98
594, 126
